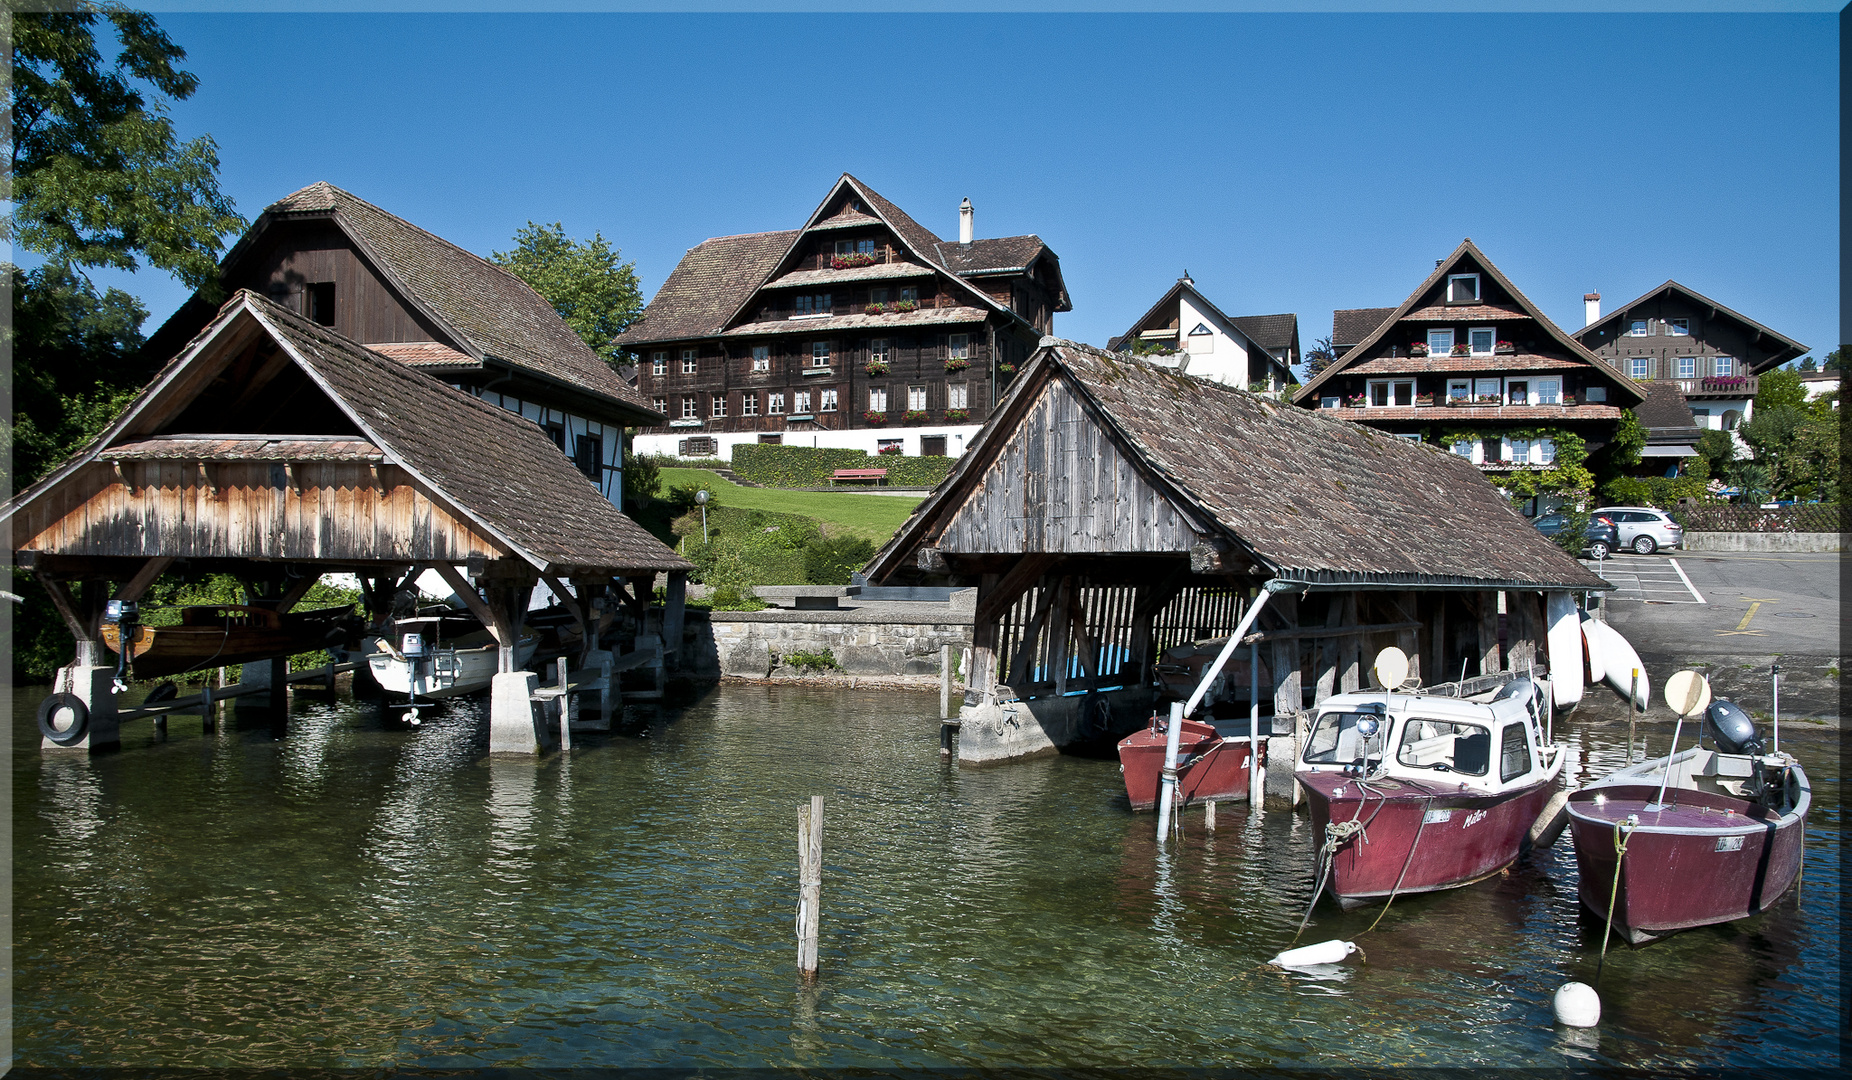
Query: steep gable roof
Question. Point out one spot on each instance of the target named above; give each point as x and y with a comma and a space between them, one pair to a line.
1413, 307
1351, 325
1311, 498
1282, 331
1789, 348
711, 282
491, 466
1271, 332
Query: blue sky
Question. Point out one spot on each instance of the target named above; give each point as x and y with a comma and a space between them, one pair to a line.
1291, 162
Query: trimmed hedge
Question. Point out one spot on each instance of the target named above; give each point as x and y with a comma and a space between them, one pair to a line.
807, 466
1810, 517
1660, 491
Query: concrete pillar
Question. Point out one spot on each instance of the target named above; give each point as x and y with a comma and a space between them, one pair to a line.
94, 685
1280, 791
270, 706
512, 729
598, 691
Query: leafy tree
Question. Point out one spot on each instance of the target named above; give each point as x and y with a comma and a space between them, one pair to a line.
1777, 388
642, 480
1622, 451
99, 177
592, 290
1833, 362
1717, 450
1796, 449
1319, 357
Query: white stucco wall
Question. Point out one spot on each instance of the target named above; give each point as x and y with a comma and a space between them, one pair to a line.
957, 437
1219, 356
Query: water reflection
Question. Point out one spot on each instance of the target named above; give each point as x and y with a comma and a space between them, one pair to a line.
355, 896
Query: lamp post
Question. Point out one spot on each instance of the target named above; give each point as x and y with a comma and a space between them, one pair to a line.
701, 501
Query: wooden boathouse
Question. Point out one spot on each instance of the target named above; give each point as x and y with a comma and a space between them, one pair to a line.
1112, 510
276, 449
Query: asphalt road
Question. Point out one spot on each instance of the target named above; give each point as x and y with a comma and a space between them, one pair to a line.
1732, 614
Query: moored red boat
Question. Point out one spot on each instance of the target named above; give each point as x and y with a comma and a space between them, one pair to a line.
1210, 767
1723, 841
1414, 793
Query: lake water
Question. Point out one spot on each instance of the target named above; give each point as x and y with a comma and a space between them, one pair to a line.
357, 896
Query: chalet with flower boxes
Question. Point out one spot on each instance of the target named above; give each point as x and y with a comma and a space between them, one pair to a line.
861, 329
1469, 363
1679, 337
1185, 332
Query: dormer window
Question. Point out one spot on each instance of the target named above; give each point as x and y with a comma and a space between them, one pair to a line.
1462, 288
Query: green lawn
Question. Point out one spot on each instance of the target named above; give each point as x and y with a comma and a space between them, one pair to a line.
876, 517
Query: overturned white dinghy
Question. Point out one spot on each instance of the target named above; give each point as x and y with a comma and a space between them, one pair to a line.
1618, 662
1566, 656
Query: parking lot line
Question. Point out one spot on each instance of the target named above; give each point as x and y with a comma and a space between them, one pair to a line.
1695, 595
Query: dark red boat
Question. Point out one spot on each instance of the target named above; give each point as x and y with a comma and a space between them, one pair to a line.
1414, 793
1725, 843
1210, 768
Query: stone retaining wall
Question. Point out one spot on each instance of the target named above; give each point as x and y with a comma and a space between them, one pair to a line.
863, 641
1763, 541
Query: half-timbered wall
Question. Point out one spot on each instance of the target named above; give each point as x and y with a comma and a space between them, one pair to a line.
573, 430
1060, 484
247, 510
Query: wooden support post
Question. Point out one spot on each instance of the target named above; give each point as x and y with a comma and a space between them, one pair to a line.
945, 681
1060, 626
809, 884
565, 709
1288, 694
673, 611
1328, 653
1350, 651
1488, 632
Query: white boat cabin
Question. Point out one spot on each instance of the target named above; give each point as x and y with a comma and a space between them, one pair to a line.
1484, 745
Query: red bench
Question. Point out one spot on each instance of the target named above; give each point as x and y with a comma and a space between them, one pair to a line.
873, 476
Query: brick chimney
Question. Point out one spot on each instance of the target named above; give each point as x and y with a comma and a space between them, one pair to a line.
965, 225
1591, 308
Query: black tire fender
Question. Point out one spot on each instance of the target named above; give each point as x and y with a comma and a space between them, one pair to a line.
80, 719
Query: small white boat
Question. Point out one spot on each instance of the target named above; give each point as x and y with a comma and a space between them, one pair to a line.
429, 665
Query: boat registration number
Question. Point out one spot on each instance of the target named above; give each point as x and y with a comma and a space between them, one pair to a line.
1729, 843
1433, 816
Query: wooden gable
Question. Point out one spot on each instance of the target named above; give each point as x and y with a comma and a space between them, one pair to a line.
1059, 482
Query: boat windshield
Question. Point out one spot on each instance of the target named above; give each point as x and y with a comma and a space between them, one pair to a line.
1445, 746
1335, 740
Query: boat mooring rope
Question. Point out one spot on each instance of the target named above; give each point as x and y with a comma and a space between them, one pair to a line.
1405, 862
1623, 832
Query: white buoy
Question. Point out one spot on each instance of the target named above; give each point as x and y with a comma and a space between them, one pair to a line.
1325, 952
1576, 1005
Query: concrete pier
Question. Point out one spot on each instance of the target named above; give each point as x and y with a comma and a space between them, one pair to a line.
94, 685
512, 728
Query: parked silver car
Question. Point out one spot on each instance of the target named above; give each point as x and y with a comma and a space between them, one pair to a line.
1643, 528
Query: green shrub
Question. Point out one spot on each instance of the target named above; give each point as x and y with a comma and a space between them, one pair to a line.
1657, 491
812, 661
642, 481
830, 561
812, 466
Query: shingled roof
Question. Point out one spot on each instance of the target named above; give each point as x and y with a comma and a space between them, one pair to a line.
1351, 325
491, 313
1310, 498
1787, 348
489, 465
713, 279
1271, 332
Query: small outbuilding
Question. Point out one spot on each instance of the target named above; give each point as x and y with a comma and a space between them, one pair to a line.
1112, 510
276, 449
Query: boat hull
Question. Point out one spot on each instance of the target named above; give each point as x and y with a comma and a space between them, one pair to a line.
1420, 835
1705, 859
214, 637
1210, 768
453, 673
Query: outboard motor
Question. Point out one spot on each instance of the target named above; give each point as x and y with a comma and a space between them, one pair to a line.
1730, 729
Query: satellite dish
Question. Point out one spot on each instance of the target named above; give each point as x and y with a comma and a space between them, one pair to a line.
1688, 693
1391, 669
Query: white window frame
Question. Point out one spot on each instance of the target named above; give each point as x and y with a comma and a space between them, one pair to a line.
1546, 451
957, 395
1639, 327
1491, 332
916, 398
761, 358
1685, 367
881, 445
1466, 448
877, 399
1511, 451
960, 347
1639, 367
1464, 388
660, 404
749, 403
718, 409
1389, 393
800, 403
775, 403
1435, 338
1678, 327
659, 362
1546, 390
826, 399
691, 407
691, 361
1723, 367
1525, 383
1488, 388
1474, 278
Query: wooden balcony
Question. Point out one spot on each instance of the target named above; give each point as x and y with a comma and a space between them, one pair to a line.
1728, 386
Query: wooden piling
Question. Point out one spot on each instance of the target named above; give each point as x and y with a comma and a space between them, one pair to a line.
1209, 815
945, 681
809, 884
